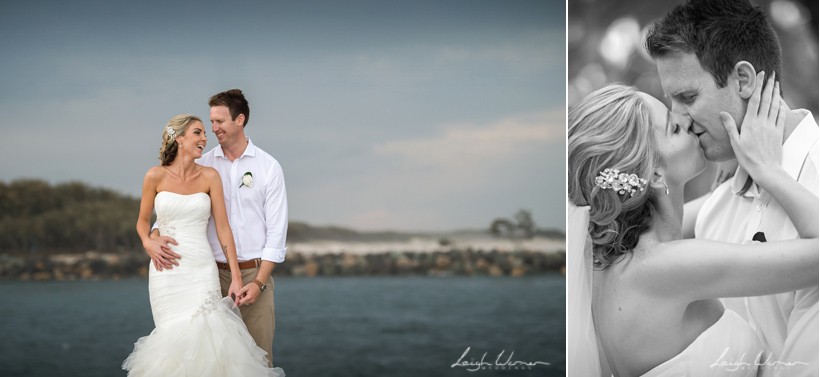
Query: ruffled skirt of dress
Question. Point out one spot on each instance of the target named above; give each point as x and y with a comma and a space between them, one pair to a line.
213, 342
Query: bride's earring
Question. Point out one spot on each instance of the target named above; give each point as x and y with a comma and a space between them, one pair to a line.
667, 188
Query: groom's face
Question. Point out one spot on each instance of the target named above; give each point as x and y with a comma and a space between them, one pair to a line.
225, 128
695, 95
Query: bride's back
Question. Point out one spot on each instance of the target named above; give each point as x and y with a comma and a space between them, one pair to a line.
637, 329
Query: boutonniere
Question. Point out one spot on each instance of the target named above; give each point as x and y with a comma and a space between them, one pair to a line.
247, 180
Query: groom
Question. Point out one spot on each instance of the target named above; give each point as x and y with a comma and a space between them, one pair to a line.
256, 203
708, 53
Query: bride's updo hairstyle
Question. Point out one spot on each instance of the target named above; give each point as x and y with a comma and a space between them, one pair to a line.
175, 127
612, 128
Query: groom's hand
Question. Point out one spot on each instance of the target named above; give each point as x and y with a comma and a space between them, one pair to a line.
249, 294
159, 250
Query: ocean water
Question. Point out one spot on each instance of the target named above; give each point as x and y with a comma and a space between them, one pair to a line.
357, 326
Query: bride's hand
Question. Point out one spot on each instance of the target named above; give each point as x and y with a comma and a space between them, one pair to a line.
759, 145
233, 290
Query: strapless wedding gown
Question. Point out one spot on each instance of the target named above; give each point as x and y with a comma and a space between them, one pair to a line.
198, 332
728, 348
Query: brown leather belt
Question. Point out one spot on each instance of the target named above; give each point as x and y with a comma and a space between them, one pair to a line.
253, 263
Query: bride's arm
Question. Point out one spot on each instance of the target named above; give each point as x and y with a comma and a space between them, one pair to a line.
692, 270
149, 191
163, 259
223, 229
759, 147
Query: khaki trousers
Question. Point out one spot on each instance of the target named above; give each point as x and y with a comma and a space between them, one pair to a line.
259, 317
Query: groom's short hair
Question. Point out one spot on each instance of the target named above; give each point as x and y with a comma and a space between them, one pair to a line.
235, 101
720, 33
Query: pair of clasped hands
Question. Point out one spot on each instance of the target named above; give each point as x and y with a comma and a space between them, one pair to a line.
165, 259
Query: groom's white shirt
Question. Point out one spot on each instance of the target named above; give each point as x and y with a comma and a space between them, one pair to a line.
258, 214
729, 217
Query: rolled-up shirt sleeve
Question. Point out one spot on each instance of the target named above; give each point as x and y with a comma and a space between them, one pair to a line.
276, 216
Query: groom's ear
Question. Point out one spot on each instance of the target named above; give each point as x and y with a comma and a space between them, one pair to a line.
746, 78
240, 120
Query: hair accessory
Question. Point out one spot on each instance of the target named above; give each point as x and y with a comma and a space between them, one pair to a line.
170, 131
622, 183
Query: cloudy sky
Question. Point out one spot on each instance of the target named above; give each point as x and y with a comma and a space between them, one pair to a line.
403, 115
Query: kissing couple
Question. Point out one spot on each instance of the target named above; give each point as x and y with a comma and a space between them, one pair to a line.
741, 297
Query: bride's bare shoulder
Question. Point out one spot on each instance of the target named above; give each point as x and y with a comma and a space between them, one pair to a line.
209, 172
650, 263
155, 173
666, 253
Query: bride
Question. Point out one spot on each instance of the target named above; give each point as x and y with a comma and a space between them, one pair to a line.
198, 333
641, 301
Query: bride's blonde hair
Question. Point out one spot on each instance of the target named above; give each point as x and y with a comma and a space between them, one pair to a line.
175, 127
611, 128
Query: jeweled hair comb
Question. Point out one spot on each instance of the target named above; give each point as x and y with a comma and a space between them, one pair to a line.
622, 183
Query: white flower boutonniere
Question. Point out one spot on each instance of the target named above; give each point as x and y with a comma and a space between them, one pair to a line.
247, 180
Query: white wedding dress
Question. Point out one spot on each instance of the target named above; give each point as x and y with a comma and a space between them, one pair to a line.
198, 333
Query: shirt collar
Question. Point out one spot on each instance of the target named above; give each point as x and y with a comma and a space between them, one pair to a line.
795, 149
798, 145
250, 150
739, 180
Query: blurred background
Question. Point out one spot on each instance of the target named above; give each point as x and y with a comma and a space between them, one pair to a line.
605, 45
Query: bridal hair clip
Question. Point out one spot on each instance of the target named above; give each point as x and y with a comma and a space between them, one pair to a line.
170, 131
621, 182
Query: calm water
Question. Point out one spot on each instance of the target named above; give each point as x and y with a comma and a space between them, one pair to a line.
364, 326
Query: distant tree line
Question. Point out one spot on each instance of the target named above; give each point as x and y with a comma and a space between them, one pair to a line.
301, 232
38, 217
